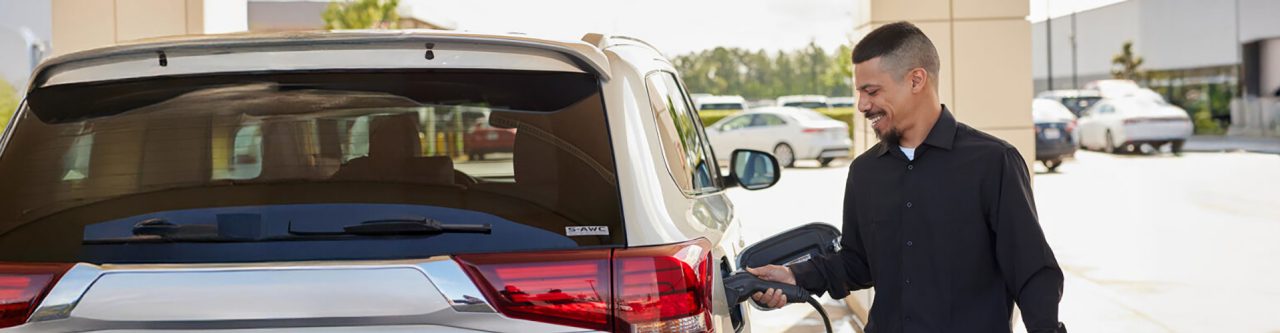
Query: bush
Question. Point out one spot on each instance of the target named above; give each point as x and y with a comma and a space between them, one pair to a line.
712, 116
8, 103
1206, 125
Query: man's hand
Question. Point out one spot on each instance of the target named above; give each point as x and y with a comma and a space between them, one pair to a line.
772, 298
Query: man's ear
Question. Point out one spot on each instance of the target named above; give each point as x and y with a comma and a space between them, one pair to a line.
918, 78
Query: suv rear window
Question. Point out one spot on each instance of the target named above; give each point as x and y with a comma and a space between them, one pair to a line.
274, 166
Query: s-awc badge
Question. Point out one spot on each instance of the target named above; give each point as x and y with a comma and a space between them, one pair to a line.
589, 230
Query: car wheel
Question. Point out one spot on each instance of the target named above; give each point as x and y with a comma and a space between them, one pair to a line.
1109, 144
826, 160
1177, 147
785, 155
1053, 165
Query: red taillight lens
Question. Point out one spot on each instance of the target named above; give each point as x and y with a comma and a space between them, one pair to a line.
567, 287
1071, 126
664, 288
649, 289
22, 286
813, 130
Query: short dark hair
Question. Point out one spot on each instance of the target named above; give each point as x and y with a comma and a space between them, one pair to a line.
902, 46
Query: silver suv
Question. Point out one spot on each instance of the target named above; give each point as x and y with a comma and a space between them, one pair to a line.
389, 181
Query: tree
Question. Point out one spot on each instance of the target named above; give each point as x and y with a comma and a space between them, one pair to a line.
362, 14
8, 103
1126, 65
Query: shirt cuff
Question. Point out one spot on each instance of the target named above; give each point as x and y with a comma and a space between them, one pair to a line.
808, 277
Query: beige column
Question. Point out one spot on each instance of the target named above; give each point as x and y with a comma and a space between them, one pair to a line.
85, 24
985, 48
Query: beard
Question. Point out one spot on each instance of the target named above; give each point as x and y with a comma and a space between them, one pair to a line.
891, 136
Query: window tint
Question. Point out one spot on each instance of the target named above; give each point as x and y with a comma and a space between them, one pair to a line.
270, 156
767, 120
686, 151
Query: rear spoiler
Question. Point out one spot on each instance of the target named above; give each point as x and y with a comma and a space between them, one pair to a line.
158, 54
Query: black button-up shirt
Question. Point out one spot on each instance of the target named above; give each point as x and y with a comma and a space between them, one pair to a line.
950, 240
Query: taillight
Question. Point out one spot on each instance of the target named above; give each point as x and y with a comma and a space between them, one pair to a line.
663, 288
647, 289
1071, 126
564, 287
813, 130
22, 286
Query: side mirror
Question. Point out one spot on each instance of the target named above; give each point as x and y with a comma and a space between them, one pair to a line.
792, 246
753, 170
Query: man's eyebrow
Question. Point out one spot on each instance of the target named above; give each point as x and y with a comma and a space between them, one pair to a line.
865, 86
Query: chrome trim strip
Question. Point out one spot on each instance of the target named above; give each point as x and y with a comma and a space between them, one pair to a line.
456, 286
448, 277
66, 294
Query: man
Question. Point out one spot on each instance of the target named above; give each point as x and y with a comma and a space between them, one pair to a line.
938, 216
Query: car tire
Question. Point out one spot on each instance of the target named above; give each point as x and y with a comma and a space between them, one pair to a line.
1052, 165
1176, 146
1109, 144
785, 155
825, 161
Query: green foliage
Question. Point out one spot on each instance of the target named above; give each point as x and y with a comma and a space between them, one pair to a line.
1126, 65
712, 116
1206, 125
362, 14
8, 103
759, 74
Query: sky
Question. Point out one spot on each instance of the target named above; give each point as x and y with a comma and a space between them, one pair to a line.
680, 26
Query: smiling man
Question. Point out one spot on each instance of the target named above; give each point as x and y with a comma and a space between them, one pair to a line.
938, 216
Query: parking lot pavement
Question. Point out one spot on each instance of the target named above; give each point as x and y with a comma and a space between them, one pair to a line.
1148, 243
1204, 143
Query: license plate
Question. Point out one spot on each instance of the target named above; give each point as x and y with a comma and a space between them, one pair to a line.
1052, 133
491, 136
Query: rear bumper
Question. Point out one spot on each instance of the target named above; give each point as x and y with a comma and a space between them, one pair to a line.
829, 149
1055, 150
1157, 132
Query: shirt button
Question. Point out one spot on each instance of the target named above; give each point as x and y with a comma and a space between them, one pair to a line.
908, 318
909, 243
909, 166
908, 204
908, 281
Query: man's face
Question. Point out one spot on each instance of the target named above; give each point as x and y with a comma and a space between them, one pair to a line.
882, 98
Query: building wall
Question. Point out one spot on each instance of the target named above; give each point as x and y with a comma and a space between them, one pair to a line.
85, 24
1258, 20
286, 15
23, 25
1168, 34
1270, 62
985, 48
1100, 34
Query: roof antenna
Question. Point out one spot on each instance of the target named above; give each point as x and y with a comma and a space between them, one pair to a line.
430, 54
164, 60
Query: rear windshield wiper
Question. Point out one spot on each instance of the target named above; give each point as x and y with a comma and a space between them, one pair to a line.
398, 227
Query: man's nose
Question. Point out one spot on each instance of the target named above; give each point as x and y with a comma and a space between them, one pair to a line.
864, 104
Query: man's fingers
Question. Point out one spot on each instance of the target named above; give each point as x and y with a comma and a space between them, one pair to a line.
758, 296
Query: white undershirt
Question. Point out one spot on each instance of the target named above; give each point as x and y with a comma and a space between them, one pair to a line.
910, 152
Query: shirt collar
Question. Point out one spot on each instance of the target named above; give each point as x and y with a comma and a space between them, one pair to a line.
942, 135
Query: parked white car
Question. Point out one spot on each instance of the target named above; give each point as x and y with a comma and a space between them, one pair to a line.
841, 102
732, 102
790, 133
1128, 123
1075, 100
225, 182
804, 101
